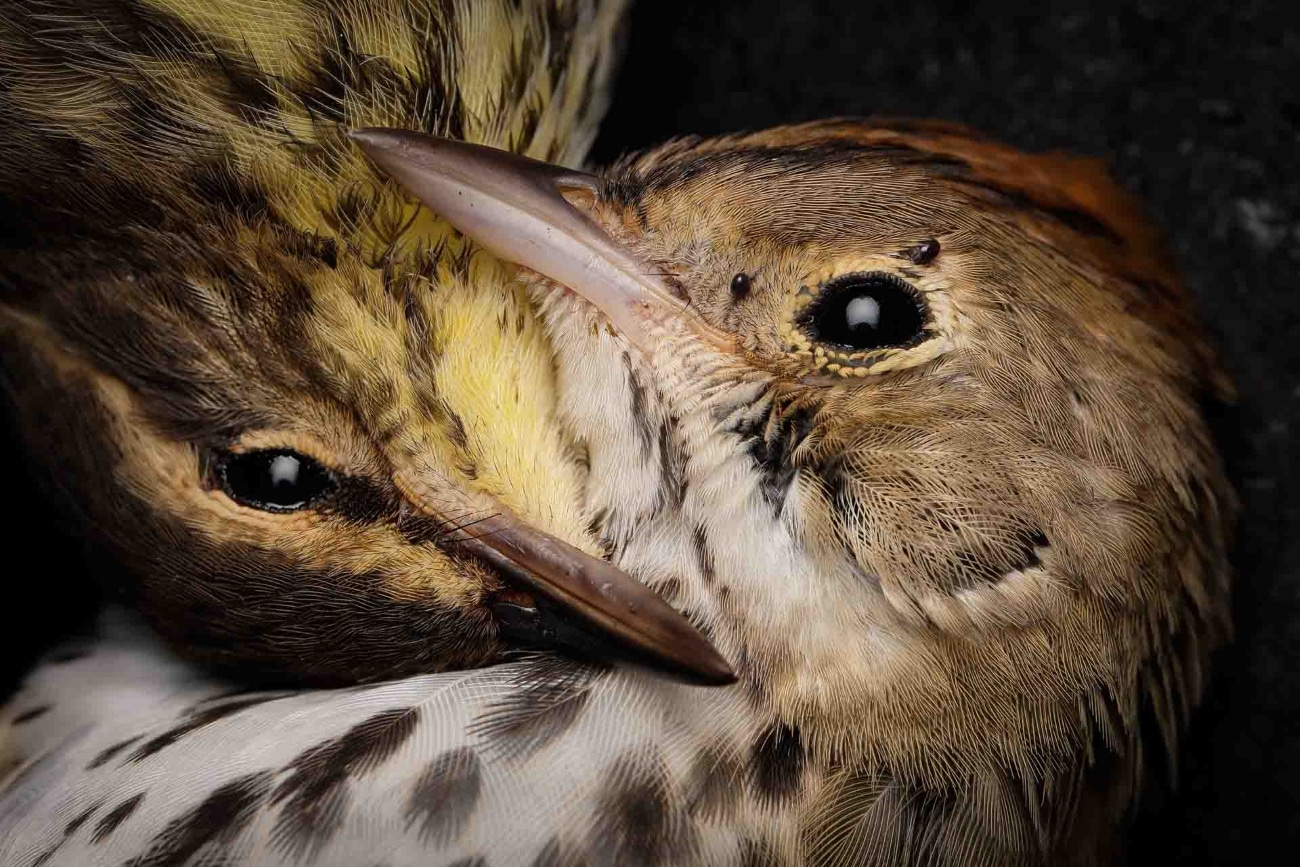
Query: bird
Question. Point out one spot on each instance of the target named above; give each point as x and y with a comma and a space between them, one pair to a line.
910, 424
253, 369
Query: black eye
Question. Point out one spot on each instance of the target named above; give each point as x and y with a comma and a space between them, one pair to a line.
866, 311
274, 480
740, 286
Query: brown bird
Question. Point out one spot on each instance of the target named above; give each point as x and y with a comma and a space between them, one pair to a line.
909, 423
256, 371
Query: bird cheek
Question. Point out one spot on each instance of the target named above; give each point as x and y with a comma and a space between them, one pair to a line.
436, 578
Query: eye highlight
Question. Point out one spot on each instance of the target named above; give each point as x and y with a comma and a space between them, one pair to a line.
866, 311
273, 480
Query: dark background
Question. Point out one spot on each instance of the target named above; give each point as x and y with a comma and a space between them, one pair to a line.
1196, 109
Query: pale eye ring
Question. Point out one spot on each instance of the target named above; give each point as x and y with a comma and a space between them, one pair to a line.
859, 312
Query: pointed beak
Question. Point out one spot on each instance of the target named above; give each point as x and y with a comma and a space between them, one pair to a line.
514, 207
591, 606
571, 599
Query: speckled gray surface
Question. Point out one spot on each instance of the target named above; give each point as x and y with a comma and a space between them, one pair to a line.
1197, 109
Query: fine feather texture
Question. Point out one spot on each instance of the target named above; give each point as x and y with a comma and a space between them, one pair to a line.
902, 699
512, 764
970, 582
197, 260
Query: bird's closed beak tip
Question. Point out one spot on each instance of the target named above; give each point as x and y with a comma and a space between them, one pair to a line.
570, 598
592, 606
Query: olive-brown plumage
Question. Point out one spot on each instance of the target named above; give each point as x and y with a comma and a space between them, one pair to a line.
238, 352
909, 423
916, 421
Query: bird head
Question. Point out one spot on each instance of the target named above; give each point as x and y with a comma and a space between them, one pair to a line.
255, 368
909, 421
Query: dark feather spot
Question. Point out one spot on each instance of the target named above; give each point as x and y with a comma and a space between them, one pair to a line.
80, 819
638, 820
323, 94
672, 470
250, 94
456, 430
445, 795
45, 856
645, 430
103, 756
310, 248
109, 821
216, 183
218, 819
776, 764
195, 721
29, 715
704, 556
670, 589
315, 792
471, 861
773, 451
545, 703
68, 830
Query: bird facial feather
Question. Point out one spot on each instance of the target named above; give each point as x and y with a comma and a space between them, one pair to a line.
944, 481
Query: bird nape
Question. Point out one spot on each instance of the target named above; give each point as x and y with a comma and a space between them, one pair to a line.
907, 422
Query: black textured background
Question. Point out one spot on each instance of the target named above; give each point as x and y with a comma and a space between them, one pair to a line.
1197, 109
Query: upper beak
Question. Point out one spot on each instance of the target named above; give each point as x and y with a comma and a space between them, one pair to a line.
514, 207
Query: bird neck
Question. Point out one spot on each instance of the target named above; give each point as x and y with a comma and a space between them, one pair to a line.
680, 490
683, 495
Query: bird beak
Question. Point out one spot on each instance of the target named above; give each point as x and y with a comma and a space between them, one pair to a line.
570, 598
515, 208
589, 605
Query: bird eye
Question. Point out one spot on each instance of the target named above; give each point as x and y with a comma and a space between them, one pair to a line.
740, 285
866, 311
273, 480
